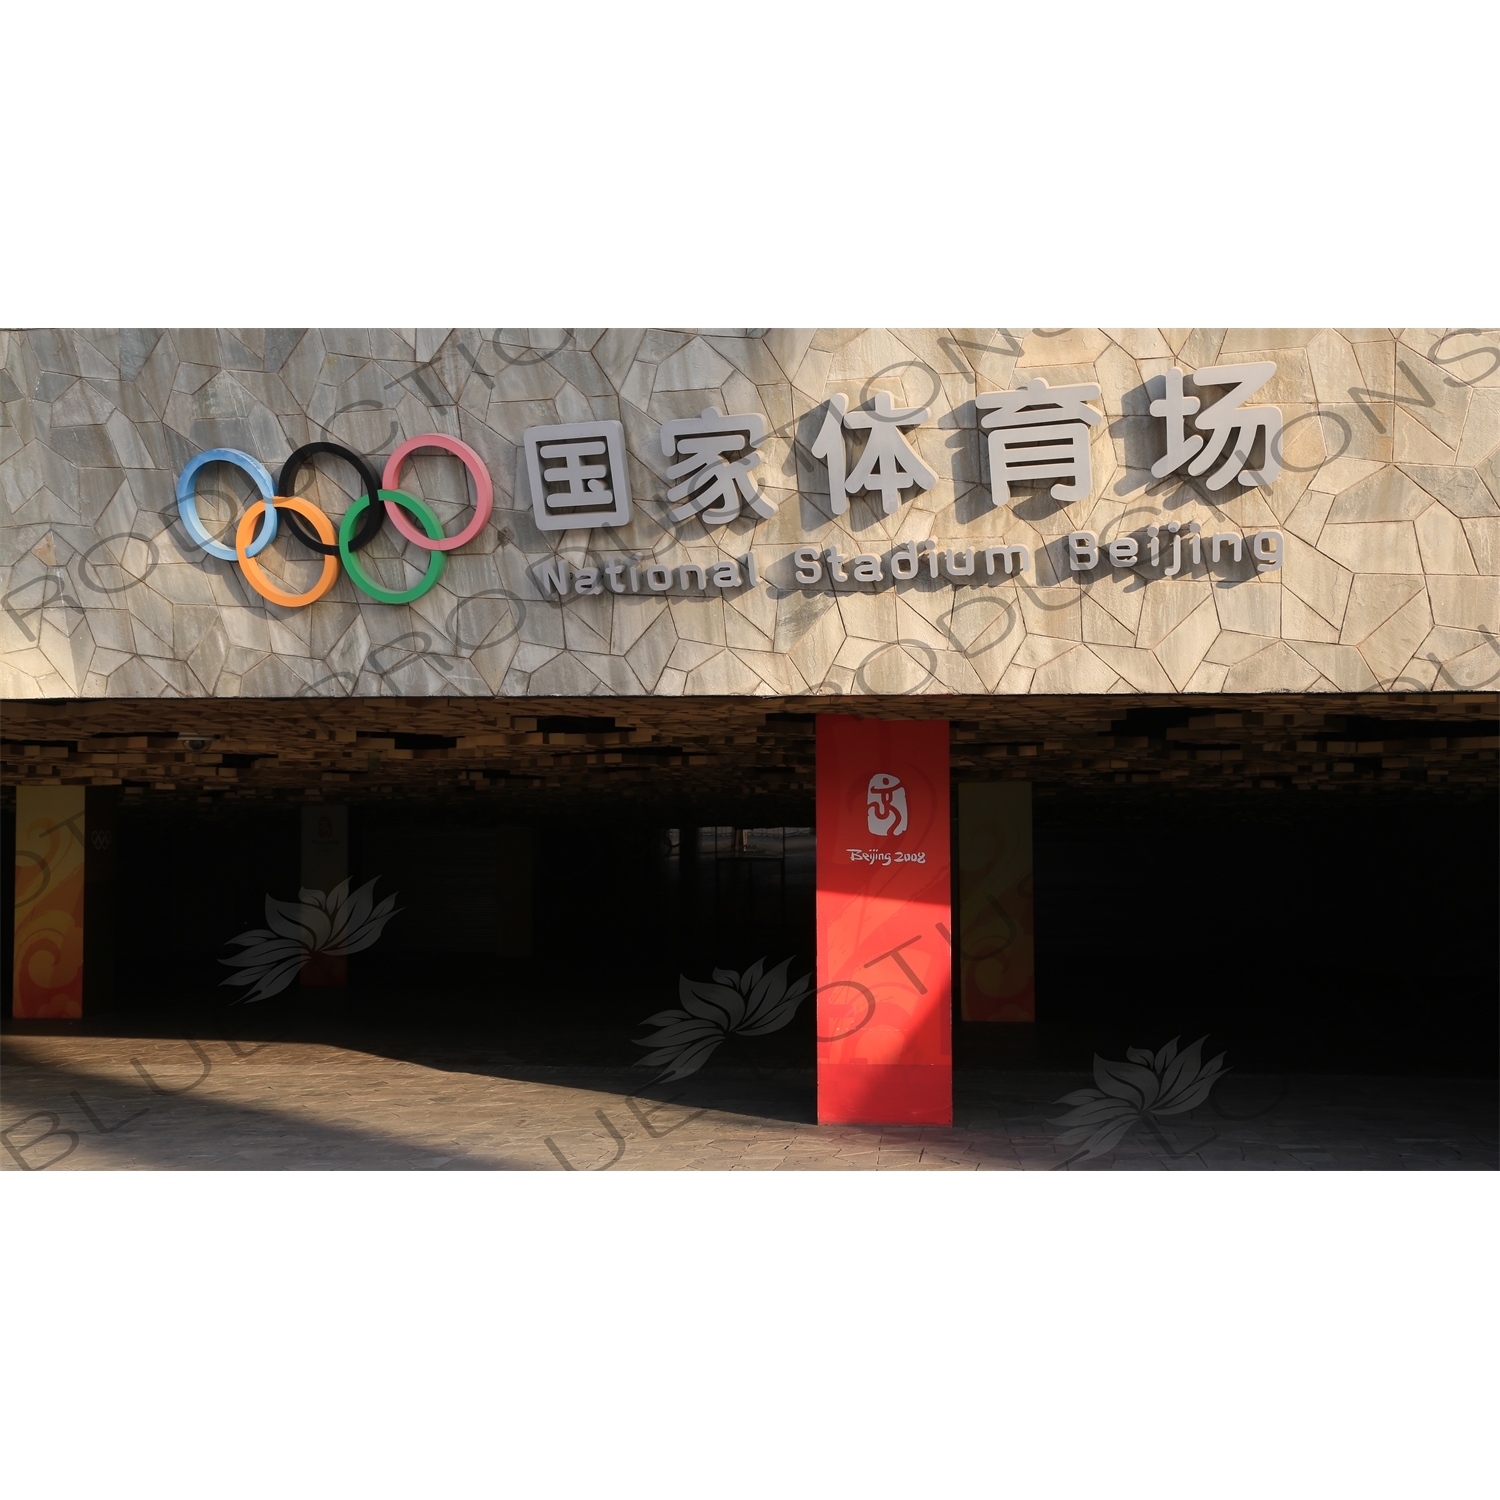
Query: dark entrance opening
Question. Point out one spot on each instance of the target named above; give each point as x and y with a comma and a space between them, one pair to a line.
1305, 934
1316, 896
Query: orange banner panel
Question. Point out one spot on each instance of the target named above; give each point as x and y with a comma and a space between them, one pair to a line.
49, 903
884, 916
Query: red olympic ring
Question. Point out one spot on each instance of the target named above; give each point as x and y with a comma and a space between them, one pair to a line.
484, 491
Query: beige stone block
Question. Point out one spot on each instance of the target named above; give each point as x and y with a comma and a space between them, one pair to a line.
1075, 671
1340, 474
815, 644
1414, 443
1037, 650
1472, 355
1245, 510
584, 629
1140, 669
1300, 622
1389, 647
1187, 645
564, 677
852, 652
698, 619
1251, 605
1230, 647
812, 376
1101, 627
1437, 402
1118, 374
1481, 434
1484, 544
614, 673
1317, 580
722, 675
20, 670
1342, 666
1380, 547
1053, 611
774, 669
636, 389
1142, 343
694, 367
788, 346
1417, 676
1308, 516
688, 655
1373, 599
1444, 643
992, 654
797, 609
955, 674
1476, 670
749, 356
1245, 341
1016, 679
982, 616
1456, 486
1489, 472
1358, 431
1202, 347
1068, 346
1469, 603
1277, 669
68, 655
742, 634
1304, 448
1292, 384
1441, 540
1167, 603
923, 616
1377, 363
1209, 678
1334, 369
894, 668
652, 649
1387, 495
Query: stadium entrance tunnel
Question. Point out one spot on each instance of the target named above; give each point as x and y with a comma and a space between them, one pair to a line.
1309, 881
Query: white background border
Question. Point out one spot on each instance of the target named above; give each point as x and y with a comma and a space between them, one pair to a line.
1238, 1334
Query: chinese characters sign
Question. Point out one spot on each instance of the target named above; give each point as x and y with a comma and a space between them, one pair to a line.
1034, 435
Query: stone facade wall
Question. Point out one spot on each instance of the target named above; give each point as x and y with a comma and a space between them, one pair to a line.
1388, 507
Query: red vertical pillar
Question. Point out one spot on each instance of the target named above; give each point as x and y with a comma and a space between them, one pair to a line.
885, 923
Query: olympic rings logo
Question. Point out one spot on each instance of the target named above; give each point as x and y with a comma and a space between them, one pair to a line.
257, 528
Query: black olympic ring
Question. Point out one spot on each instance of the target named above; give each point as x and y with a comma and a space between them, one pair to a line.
374, 517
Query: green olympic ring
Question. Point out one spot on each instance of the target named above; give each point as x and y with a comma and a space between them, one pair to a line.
430, 524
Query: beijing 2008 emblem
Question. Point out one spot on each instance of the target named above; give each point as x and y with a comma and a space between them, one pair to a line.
885, 801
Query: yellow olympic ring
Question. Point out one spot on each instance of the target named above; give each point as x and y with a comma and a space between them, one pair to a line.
256, 575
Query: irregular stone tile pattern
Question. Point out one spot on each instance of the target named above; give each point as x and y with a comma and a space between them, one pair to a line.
1389, 502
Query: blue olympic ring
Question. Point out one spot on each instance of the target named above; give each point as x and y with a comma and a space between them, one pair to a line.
187, 501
